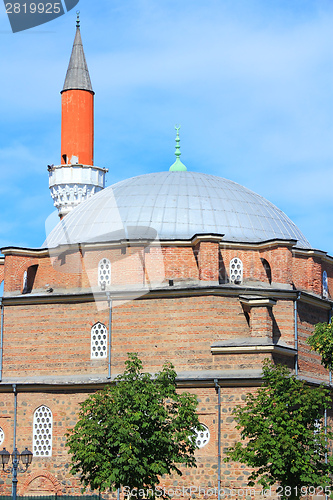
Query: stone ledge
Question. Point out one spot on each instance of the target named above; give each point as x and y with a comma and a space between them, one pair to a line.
250, 345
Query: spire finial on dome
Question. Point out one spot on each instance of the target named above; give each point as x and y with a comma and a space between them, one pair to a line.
78, 19
178, 166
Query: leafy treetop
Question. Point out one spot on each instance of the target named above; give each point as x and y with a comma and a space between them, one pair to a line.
322, 342
133, 432
280, 433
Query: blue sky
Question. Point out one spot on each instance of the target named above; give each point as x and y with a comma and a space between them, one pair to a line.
250, 82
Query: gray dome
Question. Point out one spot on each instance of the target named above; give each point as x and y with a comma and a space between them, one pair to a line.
175, 205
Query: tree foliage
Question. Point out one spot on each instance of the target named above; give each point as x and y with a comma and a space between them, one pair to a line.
280, 435
134, 431
322, 342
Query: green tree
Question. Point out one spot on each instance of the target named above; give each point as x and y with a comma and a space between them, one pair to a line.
133, 432
322, 342
280, 434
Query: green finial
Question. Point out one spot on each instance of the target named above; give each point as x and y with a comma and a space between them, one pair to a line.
178, 166
77, 18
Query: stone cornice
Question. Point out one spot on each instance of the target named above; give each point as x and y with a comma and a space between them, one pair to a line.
257, 301
251, 346
27, 252
260, 245
178, 290
210, 237
185, 379
313, 253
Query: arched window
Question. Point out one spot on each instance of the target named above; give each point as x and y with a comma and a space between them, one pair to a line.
236, 271
202, 437
104, 273
325, 285
2, 435
99, 341
42, 432
268, 270
29, 278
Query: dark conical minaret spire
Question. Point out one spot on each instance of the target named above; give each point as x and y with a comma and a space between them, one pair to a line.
77, 76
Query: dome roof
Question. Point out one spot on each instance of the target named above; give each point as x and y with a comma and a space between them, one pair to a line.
175, 205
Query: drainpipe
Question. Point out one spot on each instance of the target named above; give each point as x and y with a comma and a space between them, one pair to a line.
330, 383
330, 321
110, 333
14, 477
218, 391
1, 338
296, 332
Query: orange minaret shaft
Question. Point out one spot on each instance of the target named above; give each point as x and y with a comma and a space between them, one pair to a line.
77, 124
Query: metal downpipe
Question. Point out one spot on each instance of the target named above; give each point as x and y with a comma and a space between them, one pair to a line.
330, 383
296, 331
14, 473
218, 390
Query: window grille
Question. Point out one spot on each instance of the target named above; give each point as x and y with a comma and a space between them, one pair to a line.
236, 271
325, 285
2, 435
42, 433
202, 437
104, 273
99, 341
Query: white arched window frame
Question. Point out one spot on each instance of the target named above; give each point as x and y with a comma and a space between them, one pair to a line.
2, 435
104, 273
201, 436
236, 271
42, 432
325, 285
99, 341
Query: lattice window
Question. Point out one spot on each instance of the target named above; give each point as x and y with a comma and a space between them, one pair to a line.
42, 434
2, 435
202, 437
104, 273
325, 285
236, 271
99, 339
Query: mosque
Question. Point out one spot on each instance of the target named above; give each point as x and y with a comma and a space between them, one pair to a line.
178, 266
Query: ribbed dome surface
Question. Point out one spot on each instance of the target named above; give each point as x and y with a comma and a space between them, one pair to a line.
176, 205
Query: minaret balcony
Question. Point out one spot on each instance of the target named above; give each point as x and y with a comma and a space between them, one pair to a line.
71, 184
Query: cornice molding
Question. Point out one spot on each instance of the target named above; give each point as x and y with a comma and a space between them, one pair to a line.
260, 245
313, 253
27, 252
246, 294
254, 349
252, 301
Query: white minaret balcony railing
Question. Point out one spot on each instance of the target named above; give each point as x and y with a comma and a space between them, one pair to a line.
72, 184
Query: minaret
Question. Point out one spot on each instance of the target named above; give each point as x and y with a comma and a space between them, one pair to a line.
76, 179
